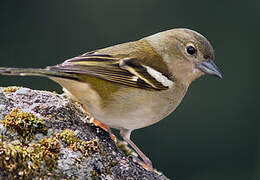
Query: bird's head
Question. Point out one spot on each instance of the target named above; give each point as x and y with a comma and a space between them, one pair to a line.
187, 53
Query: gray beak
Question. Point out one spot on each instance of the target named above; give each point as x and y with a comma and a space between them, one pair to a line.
209, 67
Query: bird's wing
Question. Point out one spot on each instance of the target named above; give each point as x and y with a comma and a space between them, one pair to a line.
126, 71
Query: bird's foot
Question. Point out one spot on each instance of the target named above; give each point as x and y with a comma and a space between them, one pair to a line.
146, 163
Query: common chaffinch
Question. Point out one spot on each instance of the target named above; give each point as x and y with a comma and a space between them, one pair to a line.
134, 84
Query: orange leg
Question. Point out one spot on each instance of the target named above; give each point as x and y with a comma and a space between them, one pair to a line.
99, 124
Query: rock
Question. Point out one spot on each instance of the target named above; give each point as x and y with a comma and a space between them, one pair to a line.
48, 136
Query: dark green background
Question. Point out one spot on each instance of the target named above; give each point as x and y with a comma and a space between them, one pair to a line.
214, 133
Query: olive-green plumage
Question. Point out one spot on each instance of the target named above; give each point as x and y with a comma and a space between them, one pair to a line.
135, 84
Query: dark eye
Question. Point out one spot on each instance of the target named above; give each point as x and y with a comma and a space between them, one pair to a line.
190, 50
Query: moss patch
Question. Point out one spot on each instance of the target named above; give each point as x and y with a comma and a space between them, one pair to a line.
94, 175
126, 150
19, 161
11, 89
76, 144
25, 124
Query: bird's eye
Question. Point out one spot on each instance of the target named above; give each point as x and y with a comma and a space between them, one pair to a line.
190, 49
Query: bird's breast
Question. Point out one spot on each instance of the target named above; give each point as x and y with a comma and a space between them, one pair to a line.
136, 108
126, 107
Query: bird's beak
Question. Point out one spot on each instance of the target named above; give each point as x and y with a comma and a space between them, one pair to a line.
209, 67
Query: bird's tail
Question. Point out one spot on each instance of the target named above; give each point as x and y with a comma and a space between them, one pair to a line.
37, 72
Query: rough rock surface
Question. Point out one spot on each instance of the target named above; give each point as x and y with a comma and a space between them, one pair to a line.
47, 136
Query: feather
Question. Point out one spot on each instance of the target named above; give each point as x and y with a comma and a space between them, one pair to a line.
126, 71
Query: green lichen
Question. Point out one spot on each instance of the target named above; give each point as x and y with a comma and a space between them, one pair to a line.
76, 144
51, 148
25, 124
10, 89
20, 161
94, 175
126, 150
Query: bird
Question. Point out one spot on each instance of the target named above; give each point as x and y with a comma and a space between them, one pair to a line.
134, 84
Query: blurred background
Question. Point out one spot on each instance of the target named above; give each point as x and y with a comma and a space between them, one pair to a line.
214, 133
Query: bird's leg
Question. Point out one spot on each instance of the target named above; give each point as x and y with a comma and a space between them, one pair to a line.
146, 163
96, 122
106, 128
99, 124
103, 126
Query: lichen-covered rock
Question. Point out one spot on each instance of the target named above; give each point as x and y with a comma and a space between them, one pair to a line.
44, 135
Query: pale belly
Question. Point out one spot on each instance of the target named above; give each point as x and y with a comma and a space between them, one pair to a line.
131, 110
139, 109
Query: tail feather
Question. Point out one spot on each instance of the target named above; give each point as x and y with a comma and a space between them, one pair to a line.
36, 72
